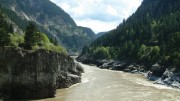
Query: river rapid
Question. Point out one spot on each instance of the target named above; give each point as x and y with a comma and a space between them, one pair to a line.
106, 85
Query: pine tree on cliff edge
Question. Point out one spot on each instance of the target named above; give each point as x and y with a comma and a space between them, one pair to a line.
30, 30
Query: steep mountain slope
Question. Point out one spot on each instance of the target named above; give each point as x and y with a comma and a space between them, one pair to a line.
150, 35
100, 34
50, 19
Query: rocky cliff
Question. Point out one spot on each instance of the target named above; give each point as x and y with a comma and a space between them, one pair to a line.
35, 74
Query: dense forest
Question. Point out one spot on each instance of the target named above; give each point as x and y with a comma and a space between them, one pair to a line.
150, 35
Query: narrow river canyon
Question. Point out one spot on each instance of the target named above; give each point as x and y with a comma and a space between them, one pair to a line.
106, 85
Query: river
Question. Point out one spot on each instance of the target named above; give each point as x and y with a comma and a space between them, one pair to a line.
106, 85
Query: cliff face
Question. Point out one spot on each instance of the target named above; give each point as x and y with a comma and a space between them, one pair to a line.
35, 74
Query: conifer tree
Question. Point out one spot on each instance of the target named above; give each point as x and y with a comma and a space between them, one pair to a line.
30, 31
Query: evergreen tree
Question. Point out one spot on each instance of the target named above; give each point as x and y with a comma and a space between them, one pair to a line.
55, 42
11, 29
29, 36
4, 38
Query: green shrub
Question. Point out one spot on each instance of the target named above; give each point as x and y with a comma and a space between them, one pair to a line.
150, 54
101, 53
16, 39
40, 39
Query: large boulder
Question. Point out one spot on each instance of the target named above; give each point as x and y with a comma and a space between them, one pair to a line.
157, 70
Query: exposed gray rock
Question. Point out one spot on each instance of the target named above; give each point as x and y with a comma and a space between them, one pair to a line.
107, 64
35, 74
157, 70
170, 78
151, 77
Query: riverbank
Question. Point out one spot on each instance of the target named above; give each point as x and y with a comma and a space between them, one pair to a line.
109, 85
156, 73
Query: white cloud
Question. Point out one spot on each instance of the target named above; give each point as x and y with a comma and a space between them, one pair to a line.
111, 10
65, 6
99, 15
97, 25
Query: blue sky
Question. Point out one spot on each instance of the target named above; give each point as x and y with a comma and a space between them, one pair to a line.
99, 15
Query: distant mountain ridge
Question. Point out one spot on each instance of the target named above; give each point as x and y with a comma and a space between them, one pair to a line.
50, 19
100, 34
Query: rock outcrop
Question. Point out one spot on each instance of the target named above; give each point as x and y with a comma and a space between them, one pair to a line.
35, 74
171, 77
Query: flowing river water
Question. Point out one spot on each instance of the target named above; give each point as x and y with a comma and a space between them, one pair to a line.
106, 85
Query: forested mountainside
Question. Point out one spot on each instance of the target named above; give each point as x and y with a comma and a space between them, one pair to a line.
150, 35
50, 19
100, 34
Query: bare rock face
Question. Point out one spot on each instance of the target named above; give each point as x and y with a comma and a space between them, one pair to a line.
35, 74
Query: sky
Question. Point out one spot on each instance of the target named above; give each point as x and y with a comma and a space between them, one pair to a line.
99, 15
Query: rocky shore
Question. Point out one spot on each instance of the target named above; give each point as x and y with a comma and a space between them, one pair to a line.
35, 74
158, 74
171, 77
